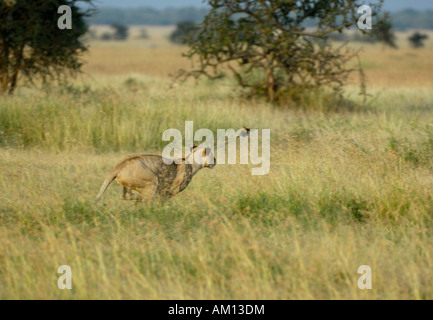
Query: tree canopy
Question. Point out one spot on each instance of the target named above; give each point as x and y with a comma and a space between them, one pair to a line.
267, 47
417, 39
31, 44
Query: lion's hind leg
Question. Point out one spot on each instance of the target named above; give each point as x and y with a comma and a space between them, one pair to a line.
129, 195
146, 189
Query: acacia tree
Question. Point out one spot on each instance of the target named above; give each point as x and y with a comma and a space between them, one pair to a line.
267, 46
417, 39
32, 46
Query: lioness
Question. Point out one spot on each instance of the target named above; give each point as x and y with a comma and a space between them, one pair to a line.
155, 180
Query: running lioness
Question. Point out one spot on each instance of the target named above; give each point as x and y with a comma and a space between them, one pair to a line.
155, 180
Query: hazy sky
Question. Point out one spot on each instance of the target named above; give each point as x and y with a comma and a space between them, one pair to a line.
159, 4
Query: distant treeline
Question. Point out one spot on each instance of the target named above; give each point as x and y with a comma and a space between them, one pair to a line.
413, 19
405, 19
148, 16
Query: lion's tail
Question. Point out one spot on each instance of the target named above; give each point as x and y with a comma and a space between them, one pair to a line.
106, 183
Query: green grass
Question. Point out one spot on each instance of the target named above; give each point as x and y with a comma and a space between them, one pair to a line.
346, 188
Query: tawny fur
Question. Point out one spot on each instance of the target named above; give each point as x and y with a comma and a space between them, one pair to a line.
153, 179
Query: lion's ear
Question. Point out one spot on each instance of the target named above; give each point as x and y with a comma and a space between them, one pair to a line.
193, 147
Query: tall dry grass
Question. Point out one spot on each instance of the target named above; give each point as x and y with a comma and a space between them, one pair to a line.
346, 188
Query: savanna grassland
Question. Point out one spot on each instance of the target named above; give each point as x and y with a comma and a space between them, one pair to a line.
347, 187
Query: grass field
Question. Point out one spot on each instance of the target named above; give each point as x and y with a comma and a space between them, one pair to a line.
346, 188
